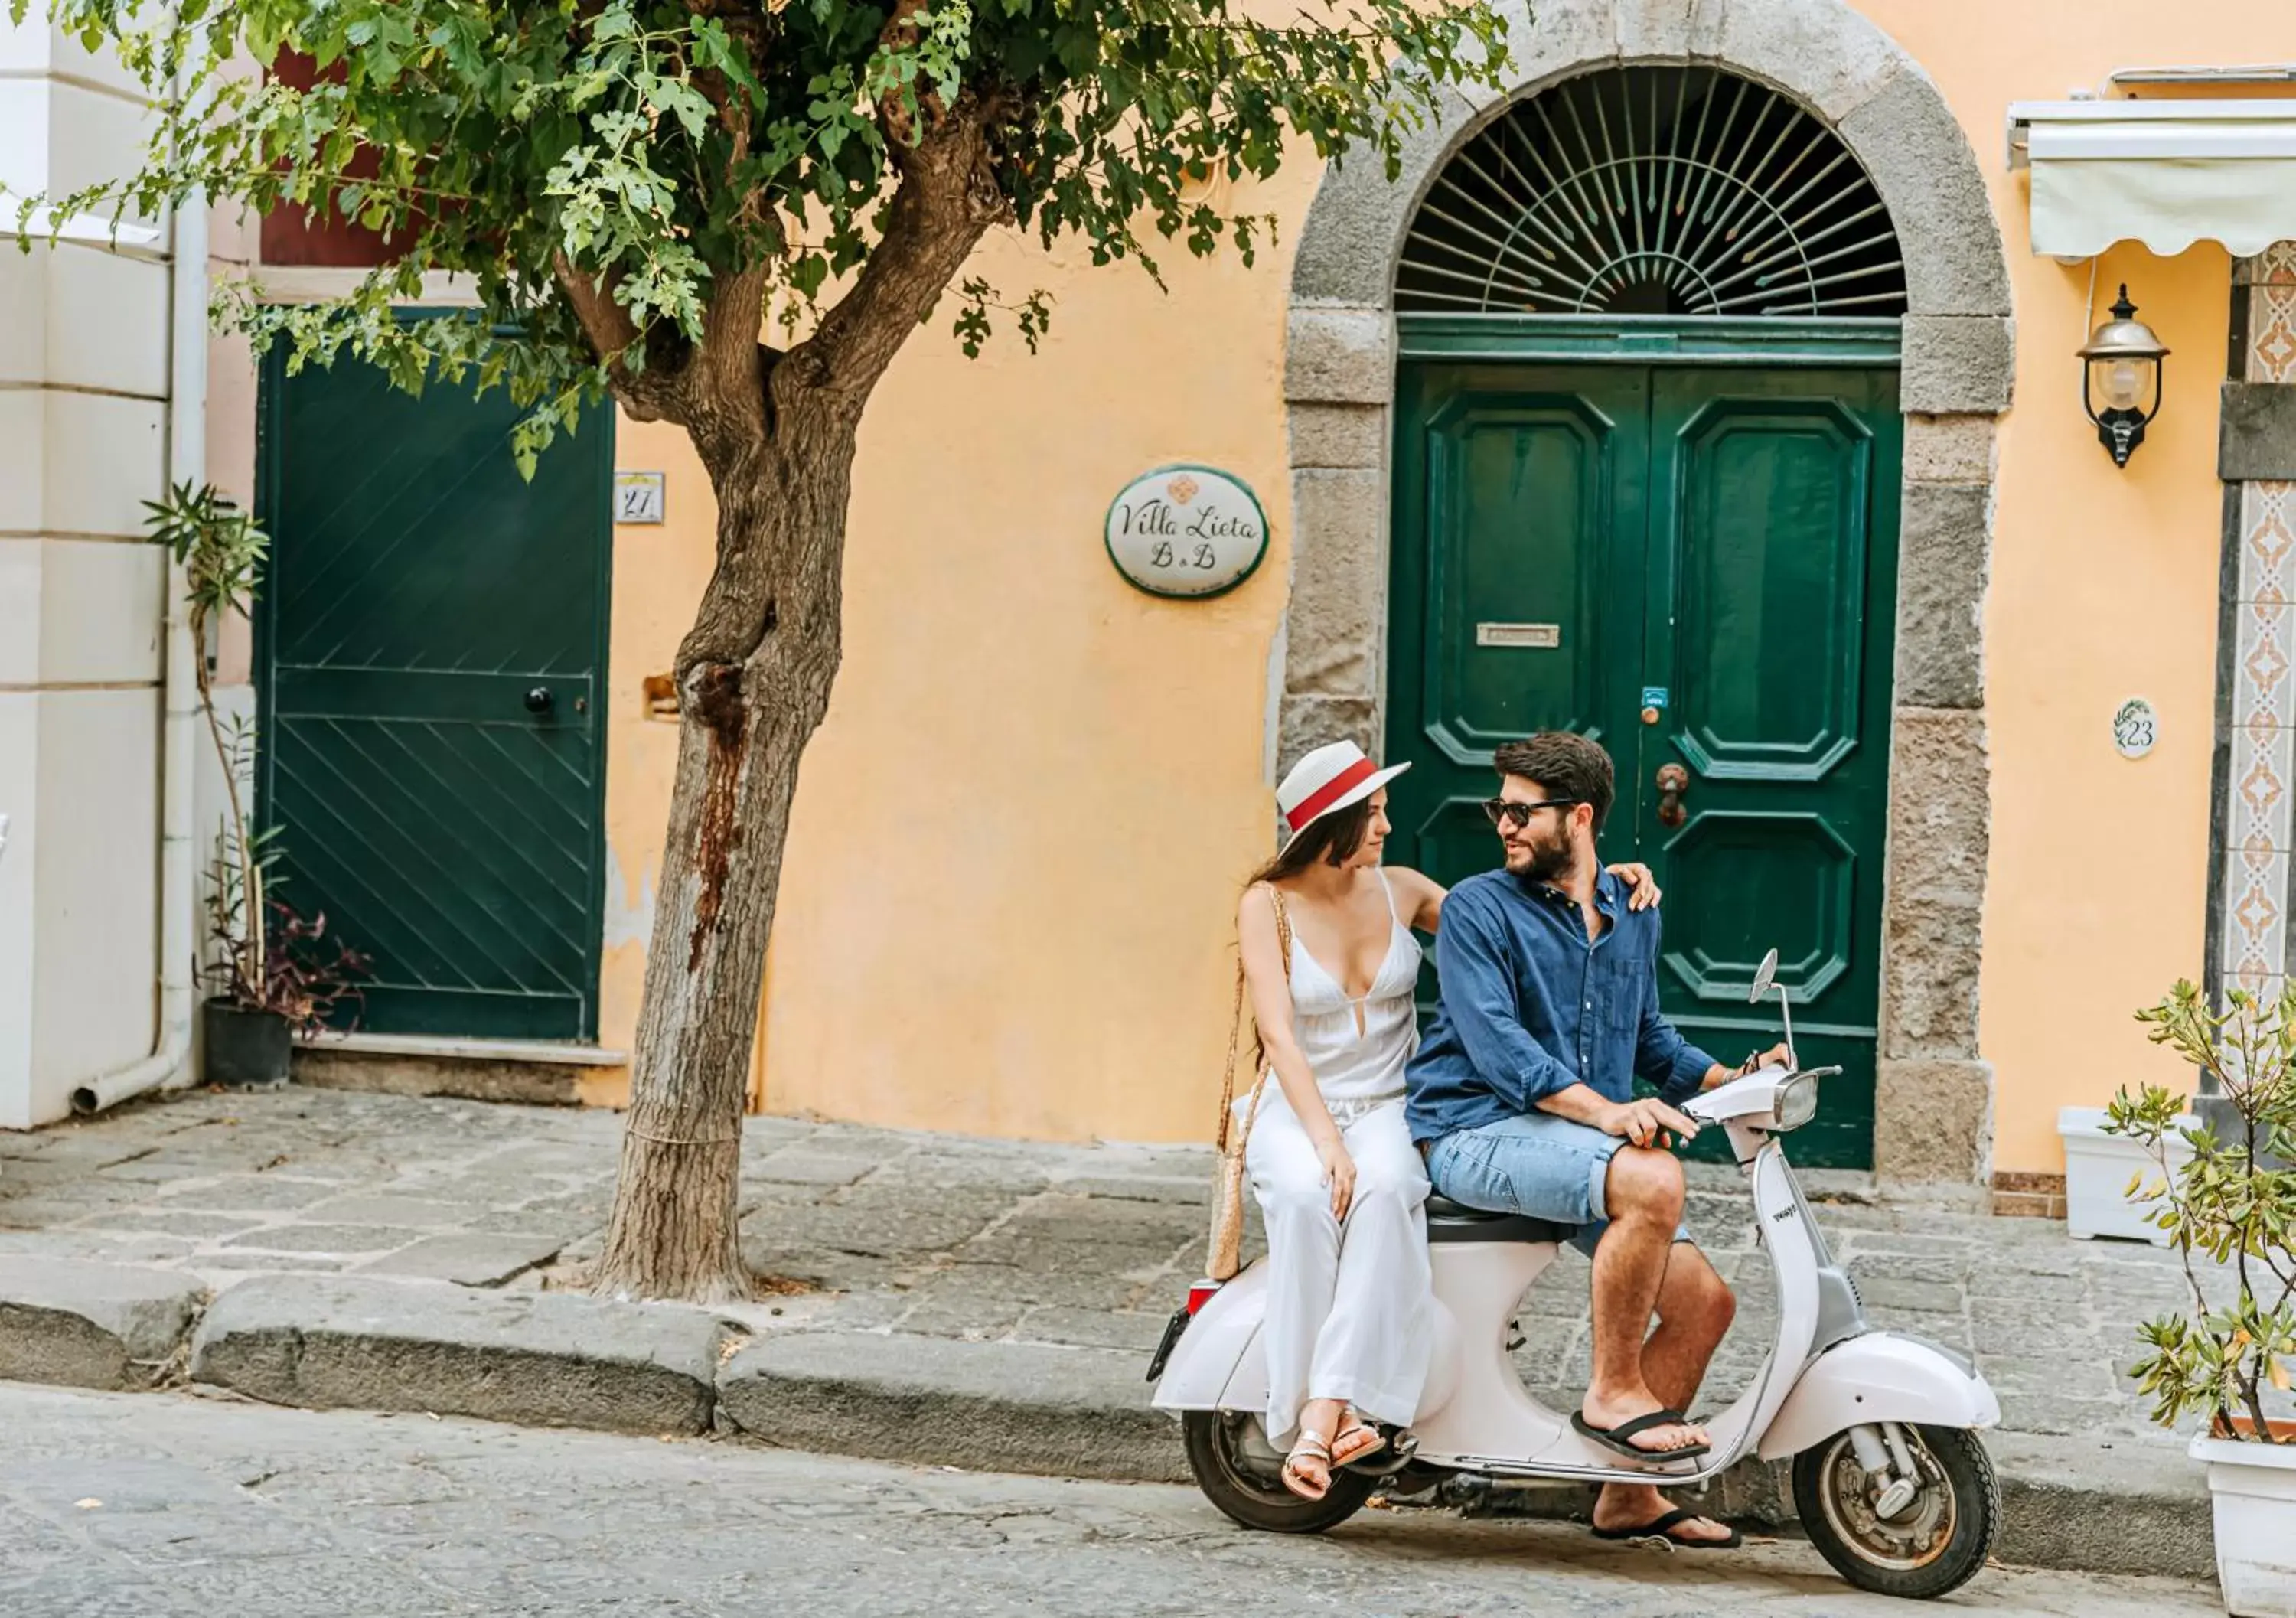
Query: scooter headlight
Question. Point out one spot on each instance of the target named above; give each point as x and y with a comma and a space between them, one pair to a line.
1797, 1102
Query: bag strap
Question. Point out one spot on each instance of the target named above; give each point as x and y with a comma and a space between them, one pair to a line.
1236, 1032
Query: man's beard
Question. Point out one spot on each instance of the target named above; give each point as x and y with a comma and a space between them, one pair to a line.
1548, 860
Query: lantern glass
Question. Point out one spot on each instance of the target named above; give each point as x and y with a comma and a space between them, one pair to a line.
2122, 382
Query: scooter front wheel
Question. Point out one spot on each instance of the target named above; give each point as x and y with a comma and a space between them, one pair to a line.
1926, 1548
1242, 1474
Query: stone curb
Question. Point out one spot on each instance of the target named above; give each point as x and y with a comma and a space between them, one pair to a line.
1002, 1406
2142, 1511
545, 1360
86, 1325
2073, 1503
988, 1406
557, 1360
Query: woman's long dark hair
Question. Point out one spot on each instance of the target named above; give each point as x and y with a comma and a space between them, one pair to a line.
1331, 840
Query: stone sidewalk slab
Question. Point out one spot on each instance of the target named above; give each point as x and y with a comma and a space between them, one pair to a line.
86, 1325
533, 1359
966, 1239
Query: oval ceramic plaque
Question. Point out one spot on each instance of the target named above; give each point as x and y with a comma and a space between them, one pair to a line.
1187, 531
2135, 728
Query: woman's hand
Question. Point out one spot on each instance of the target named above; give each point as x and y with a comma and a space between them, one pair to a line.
1338, 1174
1638, 877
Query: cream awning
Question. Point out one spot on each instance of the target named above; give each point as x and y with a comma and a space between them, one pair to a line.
2164, 172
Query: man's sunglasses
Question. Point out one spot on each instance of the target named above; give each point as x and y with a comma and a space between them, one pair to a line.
1499, 810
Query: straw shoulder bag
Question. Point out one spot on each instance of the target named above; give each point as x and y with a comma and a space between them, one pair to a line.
1225, 1255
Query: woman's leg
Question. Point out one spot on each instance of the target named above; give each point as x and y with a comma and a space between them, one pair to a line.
1303, 1256
1375, 1343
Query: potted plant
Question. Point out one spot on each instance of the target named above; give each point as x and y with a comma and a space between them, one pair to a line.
270, 971
299, 985
2229, 1206
2097, 1163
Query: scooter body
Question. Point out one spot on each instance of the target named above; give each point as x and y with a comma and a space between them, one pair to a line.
1832, 1386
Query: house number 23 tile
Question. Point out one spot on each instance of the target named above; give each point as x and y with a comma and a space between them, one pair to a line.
2135, 728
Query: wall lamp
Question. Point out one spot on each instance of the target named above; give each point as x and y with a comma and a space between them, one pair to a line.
2122, 362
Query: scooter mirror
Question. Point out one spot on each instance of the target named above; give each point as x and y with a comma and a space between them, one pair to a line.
1764, 976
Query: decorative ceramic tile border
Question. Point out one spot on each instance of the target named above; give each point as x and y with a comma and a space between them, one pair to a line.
2276, 265
2257, 827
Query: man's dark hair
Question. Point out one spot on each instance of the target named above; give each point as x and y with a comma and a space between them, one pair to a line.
1566, 765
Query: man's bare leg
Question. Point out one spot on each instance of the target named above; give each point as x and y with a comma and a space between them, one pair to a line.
1644, 1194
1694, 1311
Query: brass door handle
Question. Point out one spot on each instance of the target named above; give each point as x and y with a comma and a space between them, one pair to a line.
1673, 781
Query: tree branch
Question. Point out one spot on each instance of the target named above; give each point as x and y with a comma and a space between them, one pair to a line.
947, 200
726, 407
648, 394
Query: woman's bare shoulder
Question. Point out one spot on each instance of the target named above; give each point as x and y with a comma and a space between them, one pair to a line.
1417, 883
1257, 903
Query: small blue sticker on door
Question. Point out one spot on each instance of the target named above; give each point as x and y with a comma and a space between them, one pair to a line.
1653, 696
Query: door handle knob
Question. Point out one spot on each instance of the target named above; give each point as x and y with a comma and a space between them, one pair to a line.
539, 699
1673, 781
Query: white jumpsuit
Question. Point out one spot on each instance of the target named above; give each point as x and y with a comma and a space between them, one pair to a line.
1347, 1304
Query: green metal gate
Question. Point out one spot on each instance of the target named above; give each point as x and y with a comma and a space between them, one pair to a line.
431, 658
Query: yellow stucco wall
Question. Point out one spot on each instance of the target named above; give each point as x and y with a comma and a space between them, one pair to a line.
2103, 586
1019, 834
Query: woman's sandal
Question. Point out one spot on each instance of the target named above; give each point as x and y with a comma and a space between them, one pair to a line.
1308, 1447
1354, 1439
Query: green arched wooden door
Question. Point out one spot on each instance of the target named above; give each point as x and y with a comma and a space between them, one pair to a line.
1694, 563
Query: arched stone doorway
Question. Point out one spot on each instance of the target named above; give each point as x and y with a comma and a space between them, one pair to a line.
1933, 1106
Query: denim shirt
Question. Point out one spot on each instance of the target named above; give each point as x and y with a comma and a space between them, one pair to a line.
1531, 1006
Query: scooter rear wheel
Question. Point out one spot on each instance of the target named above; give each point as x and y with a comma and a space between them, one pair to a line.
1932, 1547
1241, 1475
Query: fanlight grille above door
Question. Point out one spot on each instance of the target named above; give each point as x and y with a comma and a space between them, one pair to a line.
1653, 191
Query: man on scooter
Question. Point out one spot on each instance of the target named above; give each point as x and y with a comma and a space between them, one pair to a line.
1521, 1098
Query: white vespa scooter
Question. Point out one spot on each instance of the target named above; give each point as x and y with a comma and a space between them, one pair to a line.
1891, 1480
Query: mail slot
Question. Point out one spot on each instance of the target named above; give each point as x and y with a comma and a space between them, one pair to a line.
1537, 637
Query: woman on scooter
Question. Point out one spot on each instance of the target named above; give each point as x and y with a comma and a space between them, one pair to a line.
1339, 1183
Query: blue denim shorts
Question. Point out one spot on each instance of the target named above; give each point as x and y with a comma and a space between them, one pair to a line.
1548, 1167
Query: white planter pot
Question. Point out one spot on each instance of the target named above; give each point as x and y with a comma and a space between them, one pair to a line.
2253, 1487
2097, 1170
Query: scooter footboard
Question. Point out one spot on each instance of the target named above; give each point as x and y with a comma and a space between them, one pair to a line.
1879, 1376
1219, 1363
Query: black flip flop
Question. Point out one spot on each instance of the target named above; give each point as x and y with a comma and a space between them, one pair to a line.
1658, 1530
1615, 1438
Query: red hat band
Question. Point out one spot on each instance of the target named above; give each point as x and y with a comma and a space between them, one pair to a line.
1337, 787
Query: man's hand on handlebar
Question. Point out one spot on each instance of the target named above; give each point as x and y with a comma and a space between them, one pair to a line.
1648, 1122
1777, 1056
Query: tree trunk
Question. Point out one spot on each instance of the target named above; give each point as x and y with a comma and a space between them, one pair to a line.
778, 436
743, 727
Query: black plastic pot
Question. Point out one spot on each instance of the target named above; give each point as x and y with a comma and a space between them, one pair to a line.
245, 1049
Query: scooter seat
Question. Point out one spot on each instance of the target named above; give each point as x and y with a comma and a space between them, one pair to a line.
1450, 1221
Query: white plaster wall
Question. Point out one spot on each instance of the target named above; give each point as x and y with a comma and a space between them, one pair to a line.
18, 755
101, 606
37, 46
107, 327
103, 458
83, 351
95, 918
58, 136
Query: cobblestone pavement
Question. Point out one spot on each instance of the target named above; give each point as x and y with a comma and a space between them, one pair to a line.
962, 1238
168, 1506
